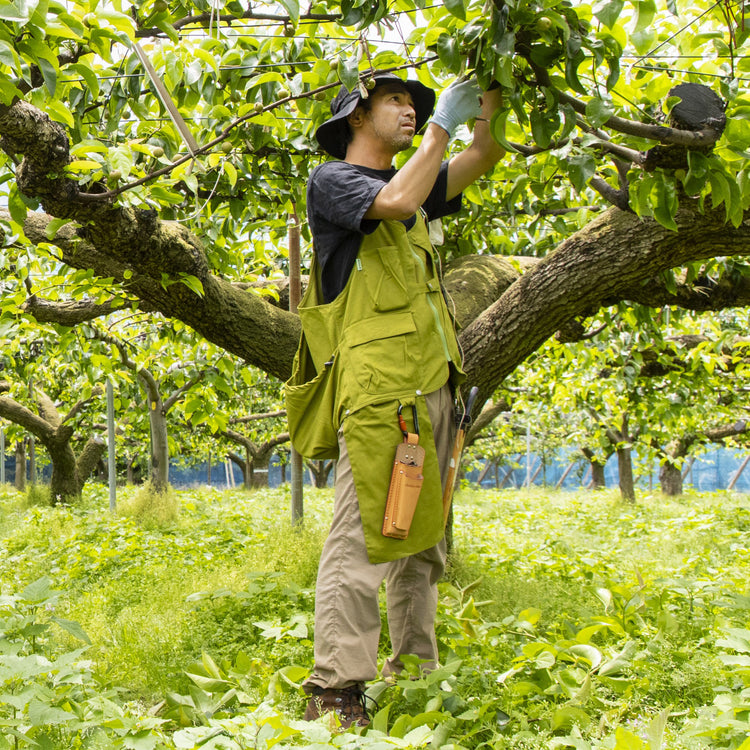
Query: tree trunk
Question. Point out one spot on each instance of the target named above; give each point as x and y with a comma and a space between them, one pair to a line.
90, 457
247, 480
20, 480
598, 479
320, 471
32, 461
625, 467
159, 433
65, 484
670, 479
246, 467
261, 460
597, 463
671, 461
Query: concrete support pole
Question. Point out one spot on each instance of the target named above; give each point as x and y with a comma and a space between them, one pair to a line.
32, 460
111, 458
528, 454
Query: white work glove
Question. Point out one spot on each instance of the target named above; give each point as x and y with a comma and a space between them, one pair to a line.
457, 104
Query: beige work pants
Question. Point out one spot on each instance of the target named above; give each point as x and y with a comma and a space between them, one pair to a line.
347, 612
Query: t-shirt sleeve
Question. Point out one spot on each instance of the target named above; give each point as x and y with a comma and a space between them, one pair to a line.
342, 195
436, 206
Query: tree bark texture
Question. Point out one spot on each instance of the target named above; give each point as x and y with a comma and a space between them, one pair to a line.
625, 469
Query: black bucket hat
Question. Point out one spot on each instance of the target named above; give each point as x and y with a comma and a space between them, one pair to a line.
331, 135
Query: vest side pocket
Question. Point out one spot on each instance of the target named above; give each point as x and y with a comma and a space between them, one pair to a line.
310, 406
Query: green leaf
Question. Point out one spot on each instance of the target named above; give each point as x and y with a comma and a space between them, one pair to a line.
292, 8
54, 227
656, 730
625, 740
193, 283
16, 205
447, 48
11, 12
8, 55
456, 8
645, 10
598, 112
49, 74
73, 628
41, 714
609, 12
581, 168
571, 72
349, 72
566, 717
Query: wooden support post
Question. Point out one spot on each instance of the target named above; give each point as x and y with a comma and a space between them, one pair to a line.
565, 475
508, 474
688, 466
485, 471
738, 473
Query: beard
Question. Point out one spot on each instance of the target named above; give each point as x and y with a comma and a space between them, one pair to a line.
397, 140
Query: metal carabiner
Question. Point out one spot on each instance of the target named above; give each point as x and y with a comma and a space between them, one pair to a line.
402, 421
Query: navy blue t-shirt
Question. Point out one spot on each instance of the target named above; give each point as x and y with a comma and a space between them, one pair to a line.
338, 197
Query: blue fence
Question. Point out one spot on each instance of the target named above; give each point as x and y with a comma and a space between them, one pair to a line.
713, 470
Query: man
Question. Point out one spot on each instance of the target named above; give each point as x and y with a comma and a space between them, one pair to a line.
378, 365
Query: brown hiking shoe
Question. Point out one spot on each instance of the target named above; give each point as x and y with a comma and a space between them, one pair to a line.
347, 703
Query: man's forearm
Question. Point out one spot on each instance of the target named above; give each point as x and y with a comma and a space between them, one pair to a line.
402, 197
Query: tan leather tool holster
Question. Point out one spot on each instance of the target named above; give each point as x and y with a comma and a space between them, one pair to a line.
403, 492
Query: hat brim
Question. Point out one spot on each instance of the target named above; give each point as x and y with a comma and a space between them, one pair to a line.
331, 135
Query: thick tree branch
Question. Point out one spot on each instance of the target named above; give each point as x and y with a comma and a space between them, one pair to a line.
597, 265
256, 417
71, 312
660, 133
82, 404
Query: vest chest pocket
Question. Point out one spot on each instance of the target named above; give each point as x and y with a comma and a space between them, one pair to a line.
380, 353
384, 278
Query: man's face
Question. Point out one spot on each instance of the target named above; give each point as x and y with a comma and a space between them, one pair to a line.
392, 116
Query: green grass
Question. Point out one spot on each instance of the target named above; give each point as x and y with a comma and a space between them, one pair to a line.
566, 620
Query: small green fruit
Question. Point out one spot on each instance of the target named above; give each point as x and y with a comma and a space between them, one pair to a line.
334, 64
160, 5
258, 106
320, 95
115, 175
284, 93
226, 146
158, 152
543, 24
370, 84
289, 30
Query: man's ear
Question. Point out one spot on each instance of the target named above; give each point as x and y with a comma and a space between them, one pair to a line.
355, 118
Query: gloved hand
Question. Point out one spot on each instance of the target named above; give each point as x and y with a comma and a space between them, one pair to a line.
457, 104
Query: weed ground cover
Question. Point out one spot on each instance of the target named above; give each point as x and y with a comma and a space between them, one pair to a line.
565, 620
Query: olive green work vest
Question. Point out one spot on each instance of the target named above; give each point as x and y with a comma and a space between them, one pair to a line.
387, 339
